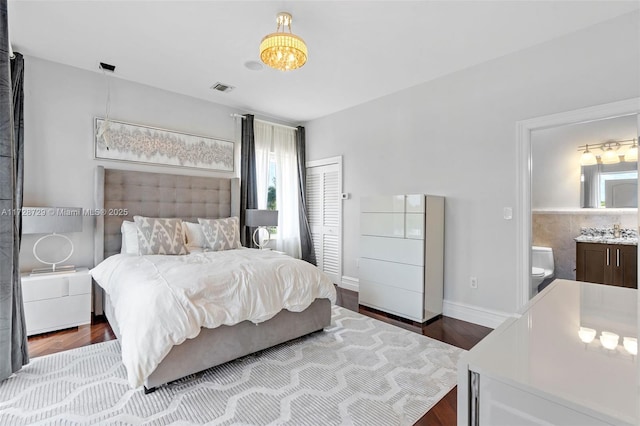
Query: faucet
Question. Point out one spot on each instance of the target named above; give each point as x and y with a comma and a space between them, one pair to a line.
616, 231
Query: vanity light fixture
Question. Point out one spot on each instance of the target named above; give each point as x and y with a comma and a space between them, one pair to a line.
611, 152
283, 51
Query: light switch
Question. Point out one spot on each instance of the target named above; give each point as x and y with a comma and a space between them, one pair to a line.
508, 213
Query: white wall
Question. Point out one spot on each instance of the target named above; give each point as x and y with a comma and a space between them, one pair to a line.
60, 103
555, 176
455, 136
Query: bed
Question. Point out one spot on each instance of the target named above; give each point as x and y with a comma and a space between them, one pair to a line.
123, 194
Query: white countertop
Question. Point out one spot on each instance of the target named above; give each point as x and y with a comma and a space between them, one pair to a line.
541, 352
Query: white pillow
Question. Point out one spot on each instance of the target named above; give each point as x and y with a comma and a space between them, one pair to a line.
129, 238
196, 241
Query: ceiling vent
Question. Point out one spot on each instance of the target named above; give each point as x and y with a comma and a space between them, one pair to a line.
221, 87
107, 67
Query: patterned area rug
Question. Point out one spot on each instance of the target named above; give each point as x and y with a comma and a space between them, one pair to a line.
360, 371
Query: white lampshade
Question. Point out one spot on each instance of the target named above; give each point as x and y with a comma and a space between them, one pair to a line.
610, 156
632, 153
609, 340
588, 158
587, 334
631, 345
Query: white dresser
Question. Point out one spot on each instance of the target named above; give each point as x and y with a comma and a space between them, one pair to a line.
536, 369
56, 301
401, 254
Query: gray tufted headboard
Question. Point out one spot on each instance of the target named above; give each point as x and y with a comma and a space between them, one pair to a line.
155, 195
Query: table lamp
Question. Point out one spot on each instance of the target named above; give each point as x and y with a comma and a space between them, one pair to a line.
261, 219
53, 221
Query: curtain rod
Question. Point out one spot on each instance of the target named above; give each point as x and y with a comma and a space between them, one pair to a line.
264, 121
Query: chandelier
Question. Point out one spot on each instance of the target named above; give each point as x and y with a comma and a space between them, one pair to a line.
283, 51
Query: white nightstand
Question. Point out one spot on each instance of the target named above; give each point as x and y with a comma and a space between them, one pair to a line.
56, 301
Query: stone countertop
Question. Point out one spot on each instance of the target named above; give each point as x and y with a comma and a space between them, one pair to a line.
627, 236
630, 241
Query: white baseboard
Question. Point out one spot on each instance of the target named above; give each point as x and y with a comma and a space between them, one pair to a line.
457, 310
475, 314
350, 283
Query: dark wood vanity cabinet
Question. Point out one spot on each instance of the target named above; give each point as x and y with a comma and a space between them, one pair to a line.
613, 264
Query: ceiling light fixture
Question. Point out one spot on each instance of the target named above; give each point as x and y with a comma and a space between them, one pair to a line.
283, 51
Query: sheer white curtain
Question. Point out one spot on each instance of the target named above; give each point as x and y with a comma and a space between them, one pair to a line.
284, 149
280, 141
263, 134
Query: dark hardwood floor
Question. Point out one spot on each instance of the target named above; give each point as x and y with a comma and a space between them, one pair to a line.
58, 341
454, 332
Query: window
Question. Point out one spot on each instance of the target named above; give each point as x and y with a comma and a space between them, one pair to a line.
277, 182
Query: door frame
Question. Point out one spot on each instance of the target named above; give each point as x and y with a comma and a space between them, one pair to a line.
328, 162
524, 128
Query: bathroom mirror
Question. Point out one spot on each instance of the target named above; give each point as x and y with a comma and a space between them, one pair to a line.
609, 185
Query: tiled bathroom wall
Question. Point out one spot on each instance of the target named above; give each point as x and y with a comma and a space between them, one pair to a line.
557, 229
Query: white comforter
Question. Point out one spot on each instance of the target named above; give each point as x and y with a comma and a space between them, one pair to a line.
161, 301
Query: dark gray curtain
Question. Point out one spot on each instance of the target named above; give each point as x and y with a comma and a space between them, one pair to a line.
248, 192
308, 253
13, 337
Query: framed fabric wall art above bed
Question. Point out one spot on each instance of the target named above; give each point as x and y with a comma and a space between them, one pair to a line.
120, 141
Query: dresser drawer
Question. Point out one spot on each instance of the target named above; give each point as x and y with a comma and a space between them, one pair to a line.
414, 226
42, 316
42, 287
393, 249
408, 277
382, 204
405, 303
382, 224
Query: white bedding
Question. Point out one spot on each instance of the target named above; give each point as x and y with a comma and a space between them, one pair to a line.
160, 301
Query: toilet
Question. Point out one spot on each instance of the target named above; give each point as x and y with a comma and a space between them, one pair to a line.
542, 266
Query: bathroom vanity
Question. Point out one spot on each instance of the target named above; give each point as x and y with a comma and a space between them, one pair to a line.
604, 259
567, 358
613, 264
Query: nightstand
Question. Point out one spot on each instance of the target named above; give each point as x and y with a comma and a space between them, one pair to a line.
56, 301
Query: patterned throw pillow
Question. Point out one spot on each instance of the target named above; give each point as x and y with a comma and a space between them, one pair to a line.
222, 234
160, 236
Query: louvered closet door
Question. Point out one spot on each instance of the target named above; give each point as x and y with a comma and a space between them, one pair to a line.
324, 186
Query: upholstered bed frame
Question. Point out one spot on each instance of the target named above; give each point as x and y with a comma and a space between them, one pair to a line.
188, 197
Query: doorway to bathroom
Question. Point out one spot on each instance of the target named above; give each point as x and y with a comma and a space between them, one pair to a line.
552, 185
569, 198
